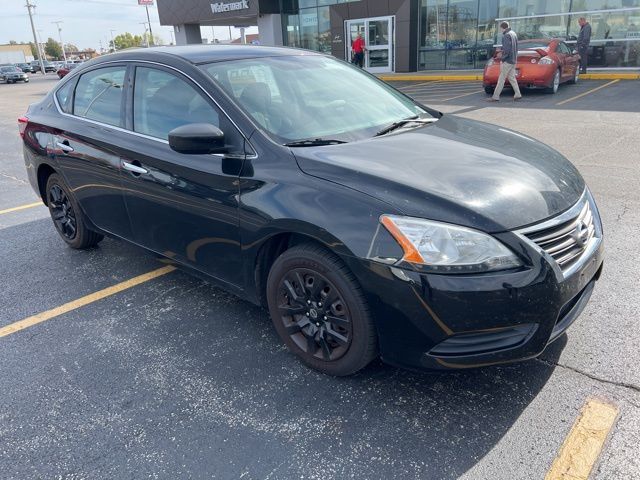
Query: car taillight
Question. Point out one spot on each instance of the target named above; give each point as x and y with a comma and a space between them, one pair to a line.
22, 125
546, 61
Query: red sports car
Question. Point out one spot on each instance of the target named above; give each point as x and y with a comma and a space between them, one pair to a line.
544, 63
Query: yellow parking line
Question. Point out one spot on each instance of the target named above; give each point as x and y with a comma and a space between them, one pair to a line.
21, 207
82, 301
460, 96
583, 445
587, 92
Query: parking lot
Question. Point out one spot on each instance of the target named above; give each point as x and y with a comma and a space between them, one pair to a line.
165, 376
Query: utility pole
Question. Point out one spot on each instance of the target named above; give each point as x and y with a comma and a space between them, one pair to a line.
29, 6
173, 42
113, 41
64, 55
149, 22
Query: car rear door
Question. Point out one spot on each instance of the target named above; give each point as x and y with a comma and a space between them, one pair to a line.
182, 206
84, 142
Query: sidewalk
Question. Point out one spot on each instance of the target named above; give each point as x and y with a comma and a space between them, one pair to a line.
476, 75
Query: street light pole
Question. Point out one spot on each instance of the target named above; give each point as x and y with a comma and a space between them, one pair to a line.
146, 39
173, 42
113, 41
35, 36
149, 22
64, 55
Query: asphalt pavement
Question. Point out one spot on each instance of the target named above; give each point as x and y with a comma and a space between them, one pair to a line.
174, 378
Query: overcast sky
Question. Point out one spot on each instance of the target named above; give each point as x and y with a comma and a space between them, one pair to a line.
86, 22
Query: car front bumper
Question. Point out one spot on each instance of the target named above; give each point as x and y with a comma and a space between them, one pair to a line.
435, 321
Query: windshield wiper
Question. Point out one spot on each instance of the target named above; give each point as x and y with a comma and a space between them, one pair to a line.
401, 123
318, 142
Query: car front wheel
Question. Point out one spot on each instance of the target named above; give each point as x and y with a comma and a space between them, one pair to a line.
67, 216
319, 311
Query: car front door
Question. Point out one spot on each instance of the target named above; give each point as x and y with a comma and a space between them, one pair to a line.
83, 142
182, 206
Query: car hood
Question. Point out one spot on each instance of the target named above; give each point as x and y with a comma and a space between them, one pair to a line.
454, 170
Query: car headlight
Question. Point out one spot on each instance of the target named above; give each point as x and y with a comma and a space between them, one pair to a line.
445, 248
546, 61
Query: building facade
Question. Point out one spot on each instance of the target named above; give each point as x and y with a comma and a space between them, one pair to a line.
413, 35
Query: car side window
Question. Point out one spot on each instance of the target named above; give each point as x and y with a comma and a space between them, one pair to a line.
64, 95
99, 95
562, 48
162, 101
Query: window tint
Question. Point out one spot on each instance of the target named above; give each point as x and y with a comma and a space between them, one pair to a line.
162, 102
99, 95
562, 48
64, 96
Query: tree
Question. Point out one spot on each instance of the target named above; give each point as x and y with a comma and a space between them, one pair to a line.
126, 40
70, 48
52, 48
12, 42
34, 50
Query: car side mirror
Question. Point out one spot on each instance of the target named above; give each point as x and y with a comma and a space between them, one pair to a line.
197, 139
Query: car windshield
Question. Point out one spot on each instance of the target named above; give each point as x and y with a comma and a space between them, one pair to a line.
303, 97
10, 69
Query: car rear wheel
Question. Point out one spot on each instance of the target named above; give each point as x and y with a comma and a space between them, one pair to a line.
555, 83
489, 90
67, 216
319, 311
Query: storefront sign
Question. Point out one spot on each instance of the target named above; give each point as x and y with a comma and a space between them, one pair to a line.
309, 19
145, 2
222, 7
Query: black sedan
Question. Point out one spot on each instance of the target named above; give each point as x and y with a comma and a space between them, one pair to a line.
368, 224
25, 67
13, 74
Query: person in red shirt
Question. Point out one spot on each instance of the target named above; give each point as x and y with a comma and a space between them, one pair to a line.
358, 48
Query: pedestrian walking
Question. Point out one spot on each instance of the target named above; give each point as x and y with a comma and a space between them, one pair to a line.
509, 58
358, 48
584, 39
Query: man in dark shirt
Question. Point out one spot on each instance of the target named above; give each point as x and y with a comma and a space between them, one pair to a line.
584, 39
509, 58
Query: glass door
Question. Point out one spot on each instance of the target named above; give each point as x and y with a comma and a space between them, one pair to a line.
378, 34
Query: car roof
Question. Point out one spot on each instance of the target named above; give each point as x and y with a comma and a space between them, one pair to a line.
198, 54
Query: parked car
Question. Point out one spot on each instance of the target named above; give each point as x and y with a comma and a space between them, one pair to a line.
25, 67
542, 63
65, 69
12, 74
368, 224
48, 66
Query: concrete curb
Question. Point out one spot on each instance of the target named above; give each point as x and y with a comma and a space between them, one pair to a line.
478, 77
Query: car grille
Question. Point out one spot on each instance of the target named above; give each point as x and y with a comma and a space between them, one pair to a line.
567, 241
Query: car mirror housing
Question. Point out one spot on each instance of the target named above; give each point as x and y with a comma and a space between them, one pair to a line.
197, 138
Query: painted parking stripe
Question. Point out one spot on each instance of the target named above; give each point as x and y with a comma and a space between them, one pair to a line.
82, 301
587, 92
475, 92
21, 207
583, 445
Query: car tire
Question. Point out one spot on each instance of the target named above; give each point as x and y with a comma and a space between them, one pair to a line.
555, 83
576, 77
336, 337
489, 90
67, 216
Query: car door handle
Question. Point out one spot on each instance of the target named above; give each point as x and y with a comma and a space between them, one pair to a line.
65, 147
135, 169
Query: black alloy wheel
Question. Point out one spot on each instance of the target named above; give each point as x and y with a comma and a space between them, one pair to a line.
67, 216
319, 311
64, 218
314, 314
